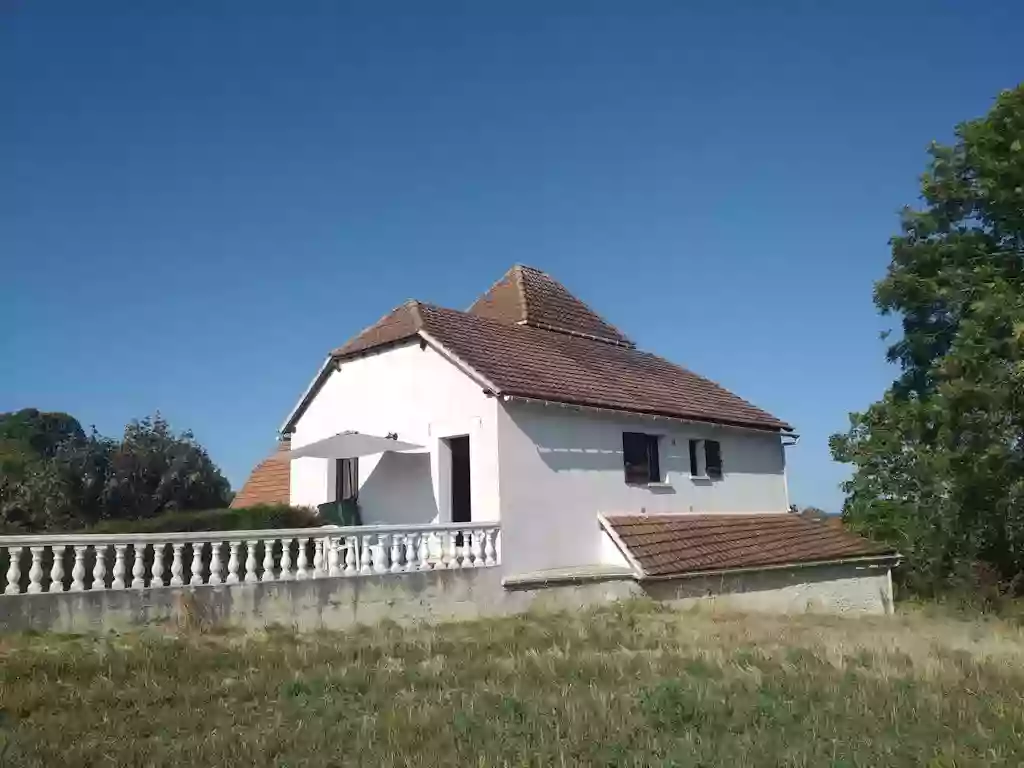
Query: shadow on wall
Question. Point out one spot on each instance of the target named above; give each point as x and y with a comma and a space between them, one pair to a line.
399, 491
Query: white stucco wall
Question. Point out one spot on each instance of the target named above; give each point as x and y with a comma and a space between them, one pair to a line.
422, 396
561, 467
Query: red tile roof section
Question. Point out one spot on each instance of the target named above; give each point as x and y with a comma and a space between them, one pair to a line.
269, 483
527, 359
531, 363
528, 296
402, 322
668, 545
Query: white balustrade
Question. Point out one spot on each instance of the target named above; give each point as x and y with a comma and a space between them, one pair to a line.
352, 551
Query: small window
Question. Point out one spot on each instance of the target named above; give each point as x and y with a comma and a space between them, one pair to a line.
713, 458
640, 458
706, 459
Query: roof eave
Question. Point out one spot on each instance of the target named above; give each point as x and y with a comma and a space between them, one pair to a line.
781, 428
891, 560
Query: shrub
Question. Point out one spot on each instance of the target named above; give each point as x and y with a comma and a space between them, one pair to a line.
257, 518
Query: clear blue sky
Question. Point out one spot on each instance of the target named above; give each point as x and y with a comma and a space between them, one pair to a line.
199, 199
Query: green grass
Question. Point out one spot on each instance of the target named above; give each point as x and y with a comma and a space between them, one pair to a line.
633, 685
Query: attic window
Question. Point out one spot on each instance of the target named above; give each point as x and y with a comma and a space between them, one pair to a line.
640, 458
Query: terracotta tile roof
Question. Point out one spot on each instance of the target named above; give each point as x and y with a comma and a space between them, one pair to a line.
667, 545
402, 322
527, 296
269, 483
508, 338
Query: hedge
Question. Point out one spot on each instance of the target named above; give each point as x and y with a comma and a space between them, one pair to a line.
257, 518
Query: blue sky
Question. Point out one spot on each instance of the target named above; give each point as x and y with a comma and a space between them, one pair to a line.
199, 199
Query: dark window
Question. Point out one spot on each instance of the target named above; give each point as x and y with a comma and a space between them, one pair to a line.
460, 487
640, 458
713, 458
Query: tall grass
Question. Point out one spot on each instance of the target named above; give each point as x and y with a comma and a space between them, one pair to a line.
633, 685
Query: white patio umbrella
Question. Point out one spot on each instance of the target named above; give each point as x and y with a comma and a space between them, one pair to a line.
348, 445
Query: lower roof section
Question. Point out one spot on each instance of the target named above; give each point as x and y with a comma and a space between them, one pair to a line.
662, 546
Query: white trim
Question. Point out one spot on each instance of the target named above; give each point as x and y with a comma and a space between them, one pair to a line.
459, 363
638, 569
318, 380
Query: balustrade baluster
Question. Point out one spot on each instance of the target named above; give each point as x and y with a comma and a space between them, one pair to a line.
396, 552
99, 570
365, 556
138, 565
13, 571
233, 563
119, 570
35, 571
490, 557
251, 576
302, 560
286, 560
57, 568
157, 579
351, 557
215, 564
453, 549
176, 565
318, 558
78, 570
410, 543
196, 565
268, 560
333, 557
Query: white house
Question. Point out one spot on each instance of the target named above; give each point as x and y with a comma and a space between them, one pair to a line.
531, 410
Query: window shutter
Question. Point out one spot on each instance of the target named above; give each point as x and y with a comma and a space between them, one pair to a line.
693, 458
653, 460
713, 457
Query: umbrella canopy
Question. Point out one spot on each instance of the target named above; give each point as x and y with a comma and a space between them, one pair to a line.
348, 445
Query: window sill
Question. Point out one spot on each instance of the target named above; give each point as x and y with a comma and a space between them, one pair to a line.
656, 485
701, 479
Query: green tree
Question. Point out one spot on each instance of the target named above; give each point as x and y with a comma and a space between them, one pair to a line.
939, 461
49, 482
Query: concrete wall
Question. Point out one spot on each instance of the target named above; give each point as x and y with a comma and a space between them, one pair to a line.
337, 603
560, 467
423, 397
823, 589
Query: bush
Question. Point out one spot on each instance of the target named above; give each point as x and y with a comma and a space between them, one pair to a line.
257, 518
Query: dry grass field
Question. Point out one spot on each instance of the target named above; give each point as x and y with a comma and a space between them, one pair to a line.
633, 685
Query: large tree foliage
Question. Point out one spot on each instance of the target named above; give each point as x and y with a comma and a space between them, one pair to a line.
939, 460
53, 476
